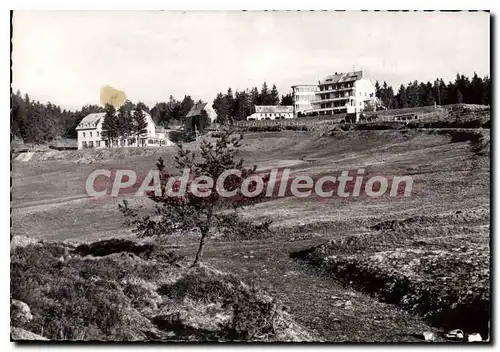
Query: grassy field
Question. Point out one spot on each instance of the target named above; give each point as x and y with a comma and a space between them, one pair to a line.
49, 202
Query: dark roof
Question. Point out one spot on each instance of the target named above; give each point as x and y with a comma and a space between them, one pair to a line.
196, 109
342, 77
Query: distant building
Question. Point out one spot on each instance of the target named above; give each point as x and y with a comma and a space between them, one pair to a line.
303, 96
344, 92
338, 93
271, 112
199, 107
89, 134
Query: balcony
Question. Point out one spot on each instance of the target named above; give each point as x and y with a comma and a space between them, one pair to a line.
329, 100
334, 90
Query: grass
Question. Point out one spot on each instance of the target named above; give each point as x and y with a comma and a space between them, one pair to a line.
125, 297
49, 203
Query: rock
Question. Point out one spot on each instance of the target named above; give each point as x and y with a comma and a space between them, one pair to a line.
18, 334
456, 334
474, 337
20, 312
429, 336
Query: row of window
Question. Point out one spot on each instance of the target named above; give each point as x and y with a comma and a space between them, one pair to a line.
339, 104
305, 89
274, 115
335, 95
122, 143
90, 134
305, 97
337, 86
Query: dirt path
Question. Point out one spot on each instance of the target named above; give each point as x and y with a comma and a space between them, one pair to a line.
323, 305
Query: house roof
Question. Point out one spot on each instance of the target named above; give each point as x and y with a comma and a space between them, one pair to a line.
91, 120
342, 77
196, 109
278, 109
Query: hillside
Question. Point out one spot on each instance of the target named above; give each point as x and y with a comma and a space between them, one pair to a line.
427, 237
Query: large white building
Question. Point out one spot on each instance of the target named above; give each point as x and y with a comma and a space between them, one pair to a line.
89, 133
303, 96
271, 112
338, 93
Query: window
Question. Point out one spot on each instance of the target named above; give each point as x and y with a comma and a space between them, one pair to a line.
84, 144
91, 144
90, 134
97, 134
98, 143
83, 134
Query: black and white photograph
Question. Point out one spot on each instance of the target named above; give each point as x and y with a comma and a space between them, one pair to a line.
251, 176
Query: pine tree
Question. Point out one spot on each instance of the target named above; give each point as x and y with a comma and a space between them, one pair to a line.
109, 124
402, 98
140, 123
274, 97
124, 123
190, 212
264, 95
229, 101
254, 99
378, 92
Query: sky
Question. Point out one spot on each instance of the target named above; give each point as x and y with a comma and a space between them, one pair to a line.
65, 57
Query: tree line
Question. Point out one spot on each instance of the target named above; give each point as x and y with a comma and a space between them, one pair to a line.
35, 122
463, 90
172, 111
240, 104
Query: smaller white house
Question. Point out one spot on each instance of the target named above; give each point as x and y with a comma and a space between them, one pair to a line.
271, 112
89, 134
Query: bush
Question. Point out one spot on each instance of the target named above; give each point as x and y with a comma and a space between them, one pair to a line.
181, 136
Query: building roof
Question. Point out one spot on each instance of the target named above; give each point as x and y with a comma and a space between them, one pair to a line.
304, 85
342, 77
278, 109
91, 120
196, 109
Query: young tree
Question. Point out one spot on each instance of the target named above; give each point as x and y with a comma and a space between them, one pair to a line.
109, 124
190, 211
139, 123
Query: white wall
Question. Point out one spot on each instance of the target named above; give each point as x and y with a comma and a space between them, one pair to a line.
363, 88
270, 115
